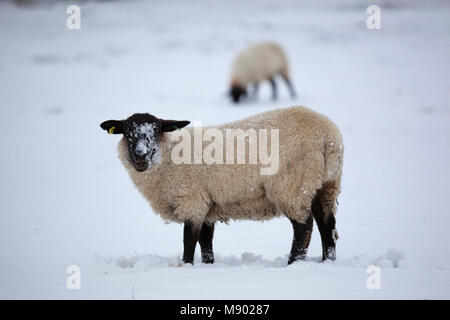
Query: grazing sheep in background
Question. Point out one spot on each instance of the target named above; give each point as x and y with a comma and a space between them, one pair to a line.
305, 186
259, 62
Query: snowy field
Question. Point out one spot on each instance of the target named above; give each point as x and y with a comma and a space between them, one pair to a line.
67, 200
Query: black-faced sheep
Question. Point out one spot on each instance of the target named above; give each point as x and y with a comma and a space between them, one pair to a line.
259, 62
304, 186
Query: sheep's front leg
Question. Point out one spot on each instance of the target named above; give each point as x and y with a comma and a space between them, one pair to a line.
302, 238
206, 243
190, 238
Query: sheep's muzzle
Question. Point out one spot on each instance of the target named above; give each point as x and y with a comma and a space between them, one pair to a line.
141, 165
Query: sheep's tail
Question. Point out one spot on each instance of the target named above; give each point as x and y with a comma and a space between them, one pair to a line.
327, 196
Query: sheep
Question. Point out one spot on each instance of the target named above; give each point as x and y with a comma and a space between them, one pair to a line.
259, 62
305, 186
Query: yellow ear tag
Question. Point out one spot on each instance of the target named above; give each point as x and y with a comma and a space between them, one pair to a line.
111, 130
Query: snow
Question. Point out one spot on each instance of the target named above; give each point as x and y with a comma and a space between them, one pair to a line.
67, 200
146, 138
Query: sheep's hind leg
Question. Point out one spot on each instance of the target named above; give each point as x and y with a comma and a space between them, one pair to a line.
274, 88
326, 223
190, 238
302, 238
206, 243
289, 85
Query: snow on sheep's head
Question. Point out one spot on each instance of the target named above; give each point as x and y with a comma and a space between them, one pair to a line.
142, 134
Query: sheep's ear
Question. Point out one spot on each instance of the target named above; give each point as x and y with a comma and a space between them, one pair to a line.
172, 125
113, 126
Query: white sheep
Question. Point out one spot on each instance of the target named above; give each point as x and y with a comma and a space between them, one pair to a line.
260, 62
305, 186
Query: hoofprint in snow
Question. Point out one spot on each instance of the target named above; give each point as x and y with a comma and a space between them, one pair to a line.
66, 199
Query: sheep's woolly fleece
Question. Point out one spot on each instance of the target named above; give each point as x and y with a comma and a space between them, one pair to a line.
259, 62
311, 155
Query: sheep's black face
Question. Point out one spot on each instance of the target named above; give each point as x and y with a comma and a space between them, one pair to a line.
237, 93
142, 134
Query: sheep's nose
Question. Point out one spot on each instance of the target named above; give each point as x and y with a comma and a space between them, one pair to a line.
141, 165
138, 157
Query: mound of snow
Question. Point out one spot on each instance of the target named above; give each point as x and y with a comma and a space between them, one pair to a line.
141, 262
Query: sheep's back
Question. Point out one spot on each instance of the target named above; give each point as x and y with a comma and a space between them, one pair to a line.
239, 190
258, 62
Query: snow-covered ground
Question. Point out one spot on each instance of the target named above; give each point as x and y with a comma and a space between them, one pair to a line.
66, 199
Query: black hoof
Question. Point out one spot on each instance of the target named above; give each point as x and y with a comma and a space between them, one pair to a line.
330, 254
